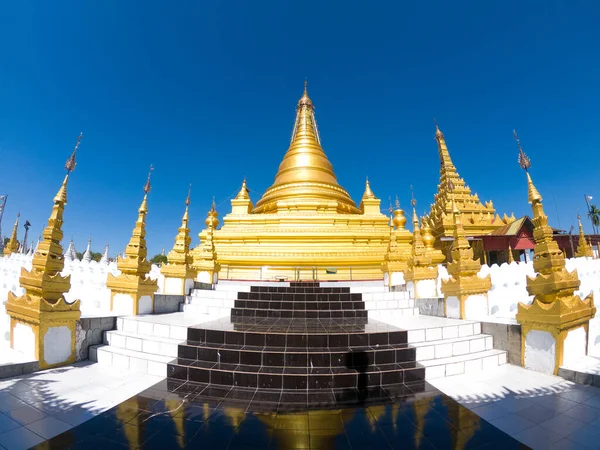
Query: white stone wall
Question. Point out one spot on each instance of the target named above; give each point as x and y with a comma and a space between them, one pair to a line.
88, 284
509, 287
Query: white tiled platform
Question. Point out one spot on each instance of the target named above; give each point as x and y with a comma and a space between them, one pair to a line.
39, 406
542, 411
585, 370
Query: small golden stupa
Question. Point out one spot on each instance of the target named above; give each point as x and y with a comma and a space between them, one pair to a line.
42, 323
305, 226
132, 292
400, 246
178, 271
12, 246
556, 311
584, 249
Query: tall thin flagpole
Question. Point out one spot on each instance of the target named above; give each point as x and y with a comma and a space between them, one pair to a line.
2, 204
587, 202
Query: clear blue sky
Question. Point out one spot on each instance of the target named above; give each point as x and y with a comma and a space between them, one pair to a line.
206, 92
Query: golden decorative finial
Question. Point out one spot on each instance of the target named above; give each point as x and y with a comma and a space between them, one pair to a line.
413, 202
71, 163
243, 194
438, 132
368, 192
148, 186
397, 202
524, 160
511, 258
187, 200
305, 84
525, 163
213, 207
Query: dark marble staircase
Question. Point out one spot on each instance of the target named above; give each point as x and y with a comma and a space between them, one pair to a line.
299, 337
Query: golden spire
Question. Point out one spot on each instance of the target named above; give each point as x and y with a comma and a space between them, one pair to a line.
555, 309
12, 246
134, 261
549, 260
204, 256
243, 194
305, 174
525, 163
584, 250
48, 260
511, 257
179, 258
485, 219
368, 192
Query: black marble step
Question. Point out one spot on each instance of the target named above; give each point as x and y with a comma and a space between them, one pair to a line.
338, 337
297, 356
301, 297
299, 314
300, 290
273, 377
296, 305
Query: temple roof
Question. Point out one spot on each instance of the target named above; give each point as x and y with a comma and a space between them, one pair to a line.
305, 178
479, 218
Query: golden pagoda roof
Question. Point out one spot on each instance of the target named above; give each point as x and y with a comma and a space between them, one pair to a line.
479, 218
305, 176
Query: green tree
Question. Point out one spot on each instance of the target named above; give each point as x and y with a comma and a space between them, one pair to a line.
594, 216
159, 259
95, 256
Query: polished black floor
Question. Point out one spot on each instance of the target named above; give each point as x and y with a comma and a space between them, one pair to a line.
175, 414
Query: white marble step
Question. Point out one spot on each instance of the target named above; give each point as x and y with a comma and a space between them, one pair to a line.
445, 348
193, 309
142, 343
469, 363
223, 295
428, 328
122, 358
218, 302
173, 325
392, 313
389, 304
385, 296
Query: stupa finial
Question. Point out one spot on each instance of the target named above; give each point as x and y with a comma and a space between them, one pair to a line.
368, 192
148, 186
187, 200
534, 196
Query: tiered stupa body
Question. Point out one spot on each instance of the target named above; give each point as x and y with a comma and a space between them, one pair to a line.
305, 226
478, 219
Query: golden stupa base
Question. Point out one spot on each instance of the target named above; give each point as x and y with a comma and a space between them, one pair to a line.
178, 279
42, 329
394, 272
421, 281
131, 294
299, 273
554, 333
466, 297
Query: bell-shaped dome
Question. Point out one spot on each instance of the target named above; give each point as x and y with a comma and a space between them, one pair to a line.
305, 175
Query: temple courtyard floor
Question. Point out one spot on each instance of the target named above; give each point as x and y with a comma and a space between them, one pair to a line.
89, 406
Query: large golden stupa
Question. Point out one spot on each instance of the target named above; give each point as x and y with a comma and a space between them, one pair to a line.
305, 226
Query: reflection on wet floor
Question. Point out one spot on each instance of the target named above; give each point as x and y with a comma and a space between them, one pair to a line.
175, 415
